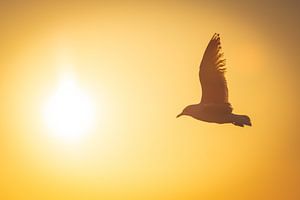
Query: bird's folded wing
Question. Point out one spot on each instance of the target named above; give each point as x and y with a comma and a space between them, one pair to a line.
211, 74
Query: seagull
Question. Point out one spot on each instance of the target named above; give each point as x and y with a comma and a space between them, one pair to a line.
214, 106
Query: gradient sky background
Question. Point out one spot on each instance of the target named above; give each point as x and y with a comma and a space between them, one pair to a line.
139, 61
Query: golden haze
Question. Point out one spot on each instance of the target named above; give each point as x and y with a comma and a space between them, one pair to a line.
138, 61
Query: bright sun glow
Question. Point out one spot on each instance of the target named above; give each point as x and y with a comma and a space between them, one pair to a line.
69, 112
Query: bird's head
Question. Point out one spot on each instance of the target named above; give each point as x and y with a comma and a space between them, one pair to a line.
189, 110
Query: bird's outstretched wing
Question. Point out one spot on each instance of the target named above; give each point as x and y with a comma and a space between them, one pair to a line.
211, 74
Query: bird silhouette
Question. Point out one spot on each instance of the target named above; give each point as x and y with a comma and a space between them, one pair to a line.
214, 106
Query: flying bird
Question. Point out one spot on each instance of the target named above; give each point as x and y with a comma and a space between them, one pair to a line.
214, 106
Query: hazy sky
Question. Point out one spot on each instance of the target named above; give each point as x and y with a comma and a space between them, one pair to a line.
138, 61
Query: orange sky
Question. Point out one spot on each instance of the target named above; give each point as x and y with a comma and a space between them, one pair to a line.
139, 61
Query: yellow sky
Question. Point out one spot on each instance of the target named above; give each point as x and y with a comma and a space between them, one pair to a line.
138, 62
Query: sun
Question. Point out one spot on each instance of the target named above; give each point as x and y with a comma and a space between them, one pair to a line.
69, 112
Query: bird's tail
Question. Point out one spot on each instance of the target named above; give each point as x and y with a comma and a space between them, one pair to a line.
241, 120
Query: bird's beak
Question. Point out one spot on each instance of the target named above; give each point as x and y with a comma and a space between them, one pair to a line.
179, 115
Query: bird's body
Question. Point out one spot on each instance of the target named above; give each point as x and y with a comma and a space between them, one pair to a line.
214, 106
